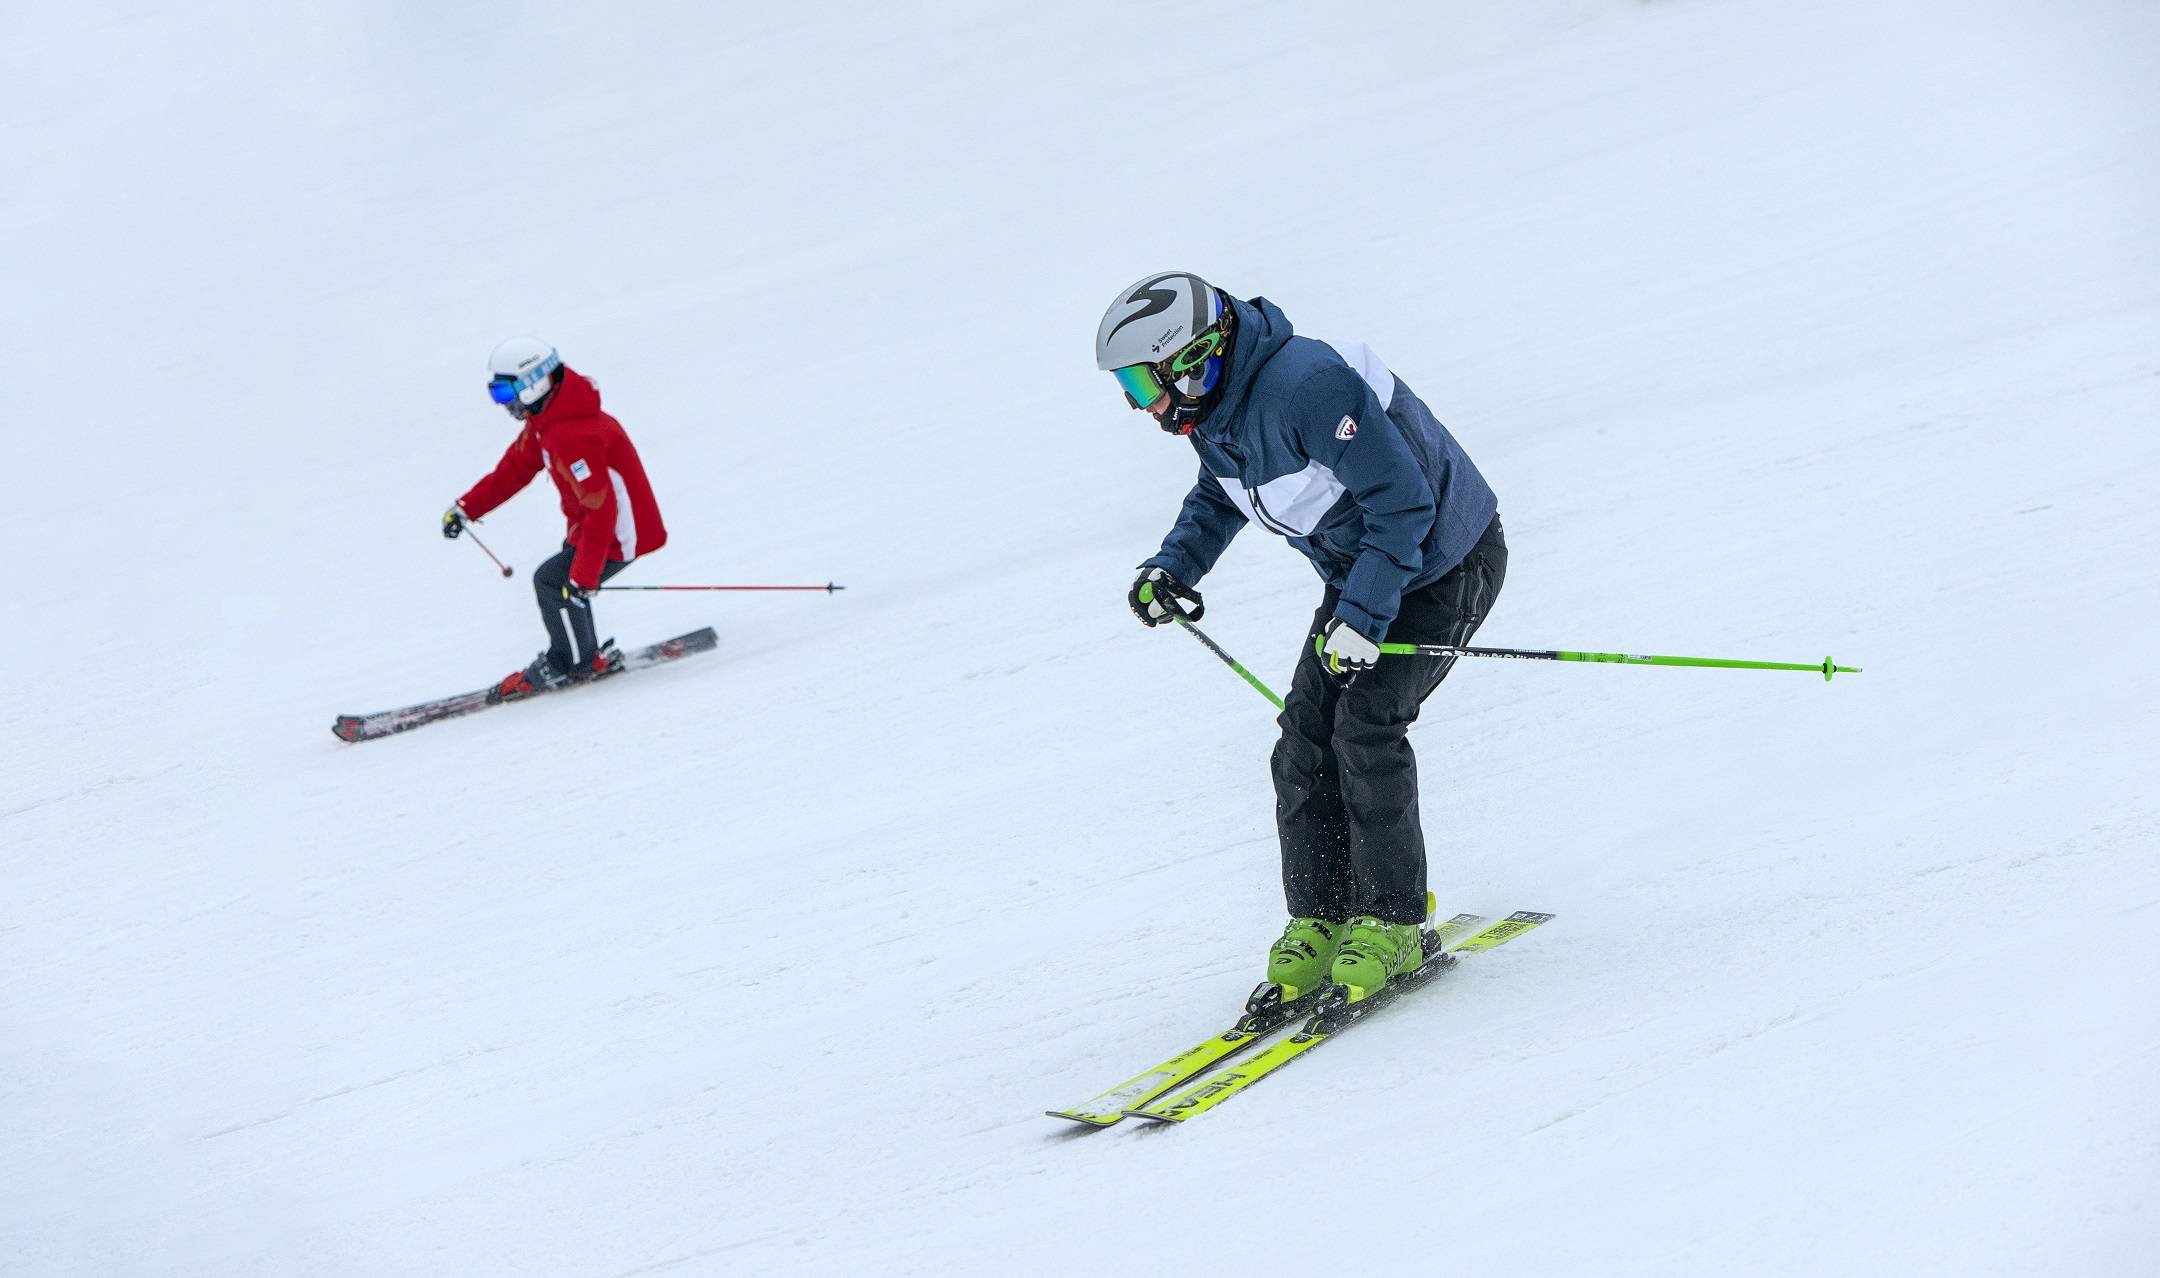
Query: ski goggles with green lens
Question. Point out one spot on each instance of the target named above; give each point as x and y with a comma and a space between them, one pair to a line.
1141, 385
1146, 383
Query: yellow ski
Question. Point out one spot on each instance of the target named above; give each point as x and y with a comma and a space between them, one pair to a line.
1336, 1014
1108, 1108
1265, 1012
1505, 930
1454, 927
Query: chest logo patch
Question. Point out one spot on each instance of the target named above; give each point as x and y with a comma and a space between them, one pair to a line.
583, 472
1346, 428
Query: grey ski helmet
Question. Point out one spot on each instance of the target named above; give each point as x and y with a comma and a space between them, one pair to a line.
521, 375
1167, 334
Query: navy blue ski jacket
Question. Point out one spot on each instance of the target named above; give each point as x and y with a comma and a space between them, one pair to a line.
1321, 444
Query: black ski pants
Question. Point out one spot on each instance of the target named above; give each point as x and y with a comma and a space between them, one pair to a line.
1346, 782
569, 621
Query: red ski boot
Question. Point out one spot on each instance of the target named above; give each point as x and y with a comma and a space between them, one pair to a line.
541, 676
607, 661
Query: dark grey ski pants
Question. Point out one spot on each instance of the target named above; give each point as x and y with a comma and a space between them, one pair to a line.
569, 622
1346, 782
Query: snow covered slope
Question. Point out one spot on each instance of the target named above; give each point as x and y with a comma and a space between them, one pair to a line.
1780, 329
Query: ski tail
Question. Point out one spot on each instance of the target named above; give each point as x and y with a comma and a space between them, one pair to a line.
1501, 933
1460, 925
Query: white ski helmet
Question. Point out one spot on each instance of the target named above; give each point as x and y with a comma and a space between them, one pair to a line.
521, 374
1166, 334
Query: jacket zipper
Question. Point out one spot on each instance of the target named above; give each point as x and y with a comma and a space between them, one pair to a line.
1252, 495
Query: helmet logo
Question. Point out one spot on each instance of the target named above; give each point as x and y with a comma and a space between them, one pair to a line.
1158, 300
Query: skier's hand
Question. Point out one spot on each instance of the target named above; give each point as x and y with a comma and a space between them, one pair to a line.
453, 520
1156, 595
1344, 651
576, 595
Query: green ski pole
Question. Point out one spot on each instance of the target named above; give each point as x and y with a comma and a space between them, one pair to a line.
1826, 667
1147, 595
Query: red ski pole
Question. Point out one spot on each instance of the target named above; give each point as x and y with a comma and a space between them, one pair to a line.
828, 587
485, 551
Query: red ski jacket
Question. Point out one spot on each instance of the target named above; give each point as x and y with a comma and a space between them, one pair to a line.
605, 498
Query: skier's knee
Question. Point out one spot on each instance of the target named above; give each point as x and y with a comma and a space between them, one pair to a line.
1297, 758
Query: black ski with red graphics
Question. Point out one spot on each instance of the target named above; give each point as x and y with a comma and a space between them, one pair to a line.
383, 723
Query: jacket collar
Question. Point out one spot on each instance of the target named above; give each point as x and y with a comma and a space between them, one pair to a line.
1262, 330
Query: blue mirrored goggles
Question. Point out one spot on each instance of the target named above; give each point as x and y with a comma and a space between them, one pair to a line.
504, 388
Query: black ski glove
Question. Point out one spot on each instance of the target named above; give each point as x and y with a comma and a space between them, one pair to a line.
453, 521
1156, 595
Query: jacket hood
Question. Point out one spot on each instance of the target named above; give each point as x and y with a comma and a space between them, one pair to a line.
576, 397
1262, 330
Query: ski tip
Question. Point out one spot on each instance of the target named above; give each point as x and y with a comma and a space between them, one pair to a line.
346, 729
1152, 1117
1093, 1122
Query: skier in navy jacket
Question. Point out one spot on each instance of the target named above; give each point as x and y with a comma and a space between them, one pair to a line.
1319, 443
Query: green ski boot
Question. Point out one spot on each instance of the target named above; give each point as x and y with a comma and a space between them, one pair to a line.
1374, 952
1299, 962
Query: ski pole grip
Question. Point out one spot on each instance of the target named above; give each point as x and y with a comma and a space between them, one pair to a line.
1169, 602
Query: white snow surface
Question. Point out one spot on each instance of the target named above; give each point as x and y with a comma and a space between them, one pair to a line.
1781, 330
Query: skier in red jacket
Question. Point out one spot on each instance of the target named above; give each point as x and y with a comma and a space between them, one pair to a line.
609, 505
